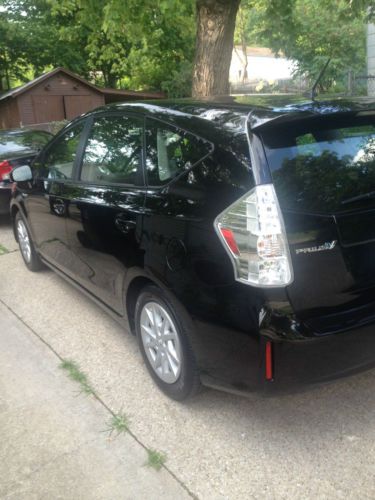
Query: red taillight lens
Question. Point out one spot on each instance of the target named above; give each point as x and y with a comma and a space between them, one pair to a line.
5, 170
229, 238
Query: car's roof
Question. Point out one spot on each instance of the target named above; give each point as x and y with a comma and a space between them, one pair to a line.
232, 112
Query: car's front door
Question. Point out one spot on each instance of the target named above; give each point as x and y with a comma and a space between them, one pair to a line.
46, 203
106, 207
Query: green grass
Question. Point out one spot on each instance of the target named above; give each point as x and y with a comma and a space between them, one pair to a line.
3, 250
119, 423
74, 373
155, 459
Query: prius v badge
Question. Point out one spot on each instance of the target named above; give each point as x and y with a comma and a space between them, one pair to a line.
329, 245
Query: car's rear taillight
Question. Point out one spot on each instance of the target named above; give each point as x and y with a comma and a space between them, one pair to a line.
252, 231
5, 170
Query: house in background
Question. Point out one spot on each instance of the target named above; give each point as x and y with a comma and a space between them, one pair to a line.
263, 67
56, 96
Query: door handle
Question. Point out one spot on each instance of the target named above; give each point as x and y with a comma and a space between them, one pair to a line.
125, 226
58, 207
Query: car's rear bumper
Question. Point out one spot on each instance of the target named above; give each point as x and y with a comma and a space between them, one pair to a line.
240, 363
5, 192
320, 360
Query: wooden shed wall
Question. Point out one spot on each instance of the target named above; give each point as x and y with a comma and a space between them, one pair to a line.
57, 98
9, 115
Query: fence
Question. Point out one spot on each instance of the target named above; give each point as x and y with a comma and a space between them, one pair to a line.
361, 84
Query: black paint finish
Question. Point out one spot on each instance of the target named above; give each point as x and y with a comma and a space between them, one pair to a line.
111, 239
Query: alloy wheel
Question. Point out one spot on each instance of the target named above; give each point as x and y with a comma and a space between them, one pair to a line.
161, 342
24, 240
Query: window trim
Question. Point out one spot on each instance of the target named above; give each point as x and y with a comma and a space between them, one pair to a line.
141, 167
177, 128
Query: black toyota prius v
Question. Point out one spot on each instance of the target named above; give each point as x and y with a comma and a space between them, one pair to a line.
234, 237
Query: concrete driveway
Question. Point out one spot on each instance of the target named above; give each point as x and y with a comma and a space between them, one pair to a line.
319, 444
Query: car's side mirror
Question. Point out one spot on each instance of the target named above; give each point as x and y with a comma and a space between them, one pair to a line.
21, 174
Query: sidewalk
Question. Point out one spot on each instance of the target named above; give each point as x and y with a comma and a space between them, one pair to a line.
52, 439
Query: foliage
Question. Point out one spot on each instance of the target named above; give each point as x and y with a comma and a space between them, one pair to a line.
135, 43
30, 42
161, 35
310, 32
140, 44
149, 44
119, 423
155, 459
74, 372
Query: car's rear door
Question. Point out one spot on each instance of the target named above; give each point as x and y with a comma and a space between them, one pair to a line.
106, 205
323, 169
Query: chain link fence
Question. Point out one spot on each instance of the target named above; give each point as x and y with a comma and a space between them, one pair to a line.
361, 85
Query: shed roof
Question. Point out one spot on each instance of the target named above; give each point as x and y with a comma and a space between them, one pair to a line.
106, 91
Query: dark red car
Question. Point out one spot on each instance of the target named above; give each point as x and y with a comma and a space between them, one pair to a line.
17, 147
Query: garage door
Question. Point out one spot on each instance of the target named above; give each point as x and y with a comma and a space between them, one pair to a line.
48, 108
76, 105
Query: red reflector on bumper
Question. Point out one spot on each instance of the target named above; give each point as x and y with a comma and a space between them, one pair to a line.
269, 361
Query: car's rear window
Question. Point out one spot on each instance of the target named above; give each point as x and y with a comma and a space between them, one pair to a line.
22, 142
324, 165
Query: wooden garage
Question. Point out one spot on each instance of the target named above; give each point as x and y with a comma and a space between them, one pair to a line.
55, 96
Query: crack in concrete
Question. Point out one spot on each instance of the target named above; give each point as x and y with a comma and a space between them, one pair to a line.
7, 252
98, 398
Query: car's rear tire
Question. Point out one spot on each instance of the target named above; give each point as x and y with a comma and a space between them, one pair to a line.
164, 344
29, 255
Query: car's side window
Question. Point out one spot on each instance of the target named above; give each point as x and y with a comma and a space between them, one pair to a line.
113, 152
58, 160
171, 151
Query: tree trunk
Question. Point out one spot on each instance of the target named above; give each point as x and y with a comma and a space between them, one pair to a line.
216, 22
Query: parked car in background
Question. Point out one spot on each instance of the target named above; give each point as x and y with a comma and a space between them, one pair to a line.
235, 239
17, 147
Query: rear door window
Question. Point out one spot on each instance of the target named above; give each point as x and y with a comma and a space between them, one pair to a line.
323, 166
113, 152
171, 151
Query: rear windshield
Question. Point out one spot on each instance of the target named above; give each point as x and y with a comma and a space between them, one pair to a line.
323, 165
22, 142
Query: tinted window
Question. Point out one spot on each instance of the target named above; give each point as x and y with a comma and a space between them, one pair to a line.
114, 150
58, 161
170, 151
325, 167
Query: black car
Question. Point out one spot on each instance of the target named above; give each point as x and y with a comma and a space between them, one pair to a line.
234, 238
17, 147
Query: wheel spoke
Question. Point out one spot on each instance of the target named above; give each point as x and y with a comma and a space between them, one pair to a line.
168, 337
149, 330
166, 365
173, 354
150, 315
165, 327
158, 359
173, 366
